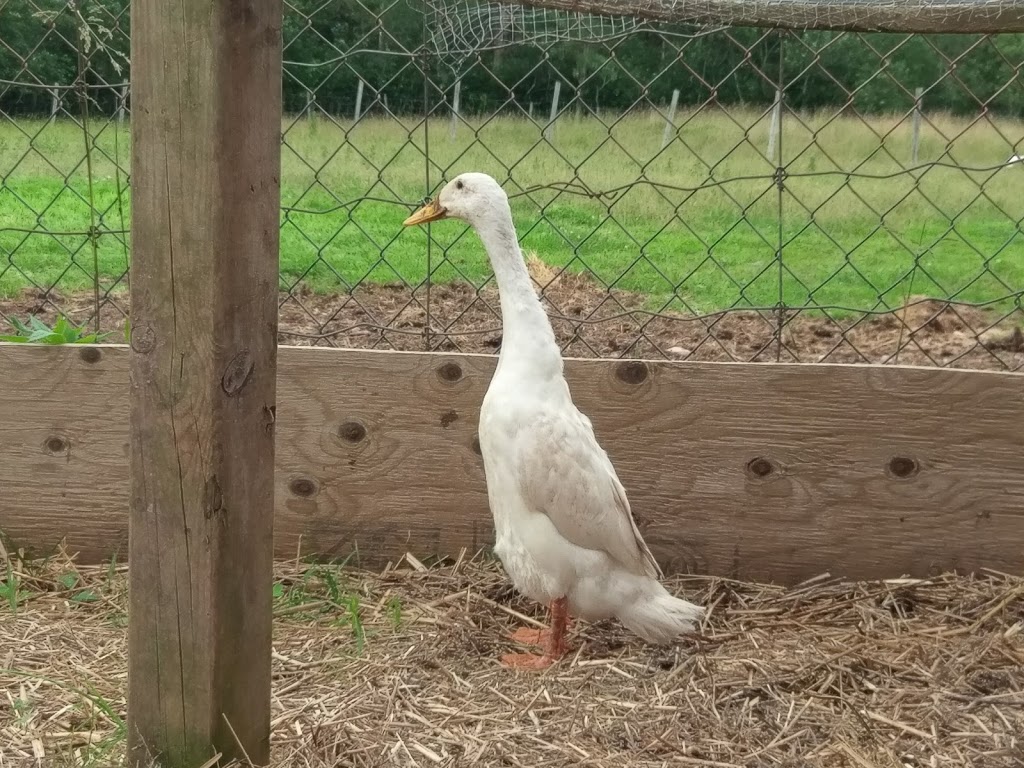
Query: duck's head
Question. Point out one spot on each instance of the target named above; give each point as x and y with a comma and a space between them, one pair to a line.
474, 198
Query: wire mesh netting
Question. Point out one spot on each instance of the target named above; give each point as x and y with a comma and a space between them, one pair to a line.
685, 191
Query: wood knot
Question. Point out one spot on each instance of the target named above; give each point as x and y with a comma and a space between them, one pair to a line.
142, 340
56, 445
303, 486
90, 354
448, 418
450, 372
213, 498
237, 373
632, 372
352, 432
759, 467
903, 466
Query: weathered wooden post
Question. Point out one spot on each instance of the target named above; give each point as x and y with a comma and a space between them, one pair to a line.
915, 139
775, 126
359, 101
454, 126
549, 130
122, 104
670, 121
206, 126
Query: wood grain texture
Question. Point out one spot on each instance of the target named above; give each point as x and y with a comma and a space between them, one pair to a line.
206, 91
766, 472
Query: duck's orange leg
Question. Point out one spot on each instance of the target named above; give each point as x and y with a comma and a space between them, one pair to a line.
552, 640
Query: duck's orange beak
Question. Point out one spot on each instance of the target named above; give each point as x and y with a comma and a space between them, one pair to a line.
432, 211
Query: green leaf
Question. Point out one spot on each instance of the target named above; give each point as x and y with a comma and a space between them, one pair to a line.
68, 580
14, 339
333, 589
92, 338
85, 596
20, 327
38, 324
278, 591
10, 589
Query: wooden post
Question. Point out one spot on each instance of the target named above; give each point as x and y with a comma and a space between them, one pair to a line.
915, 139
453, 129
773, 128
54, 103
122, 103
531, 110
310, 105
549, 131
205, 206
670, 123
359, 100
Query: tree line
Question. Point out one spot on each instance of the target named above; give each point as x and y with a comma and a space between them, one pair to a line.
331, 46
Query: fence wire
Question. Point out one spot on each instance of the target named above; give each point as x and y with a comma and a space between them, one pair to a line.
681, 191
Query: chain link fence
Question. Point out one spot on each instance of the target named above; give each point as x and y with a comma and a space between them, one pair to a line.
688, 191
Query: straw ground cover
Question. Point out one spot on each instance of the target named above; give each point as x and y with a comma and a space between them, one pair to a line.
399, 668
847, 240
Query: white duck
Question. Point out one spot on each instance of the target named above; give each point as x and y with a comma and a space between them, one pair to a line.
564, 531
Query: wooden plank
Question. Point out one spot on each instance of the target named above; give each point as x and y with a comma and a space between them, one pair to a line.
375, 450
206, 87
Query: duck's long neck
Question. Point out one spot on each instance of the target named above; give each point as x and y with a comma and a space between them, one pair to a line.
527, 337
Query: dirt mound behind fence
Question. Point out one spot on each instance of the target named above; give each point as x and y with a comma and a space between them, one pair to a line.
591, 321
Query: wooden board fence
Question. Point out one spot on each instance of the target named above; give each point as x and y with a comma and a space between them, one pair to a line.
767, 472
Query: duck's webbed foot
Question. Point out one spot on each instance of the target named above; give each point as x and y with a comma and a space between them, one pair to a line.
551, 639
527, 661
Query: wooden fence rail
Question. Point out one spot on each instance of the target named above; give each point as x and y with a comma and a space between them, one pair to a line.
768, 472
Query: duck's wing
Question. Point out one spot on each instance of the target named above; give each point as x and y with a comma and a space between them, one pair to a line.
565, 474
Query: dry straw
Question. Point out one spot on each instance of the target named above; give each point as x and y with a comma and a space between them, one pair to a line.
400, 669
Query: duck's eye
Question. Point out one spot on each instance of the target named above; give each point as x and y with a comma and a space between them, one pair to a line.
459, 185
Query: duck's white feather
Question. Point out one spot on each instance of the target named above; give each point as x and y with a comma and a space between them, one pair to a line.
563, 524
563, 473
563, 527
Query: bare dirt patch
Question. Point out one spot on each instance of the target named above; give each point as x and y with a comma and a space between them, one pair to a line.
590, 321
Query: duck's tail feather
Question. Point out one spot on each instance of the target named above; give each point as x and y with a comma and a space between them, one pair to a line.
660, 618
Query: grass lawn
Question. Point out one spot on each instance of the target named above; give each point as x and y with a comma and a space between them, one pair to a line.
706, 238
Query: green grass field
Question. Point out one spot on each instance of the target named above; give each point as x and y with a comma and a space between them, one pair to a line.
709, 235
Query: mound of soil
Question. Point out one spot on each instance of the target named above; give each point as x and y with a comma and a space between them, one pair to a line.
591, 321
